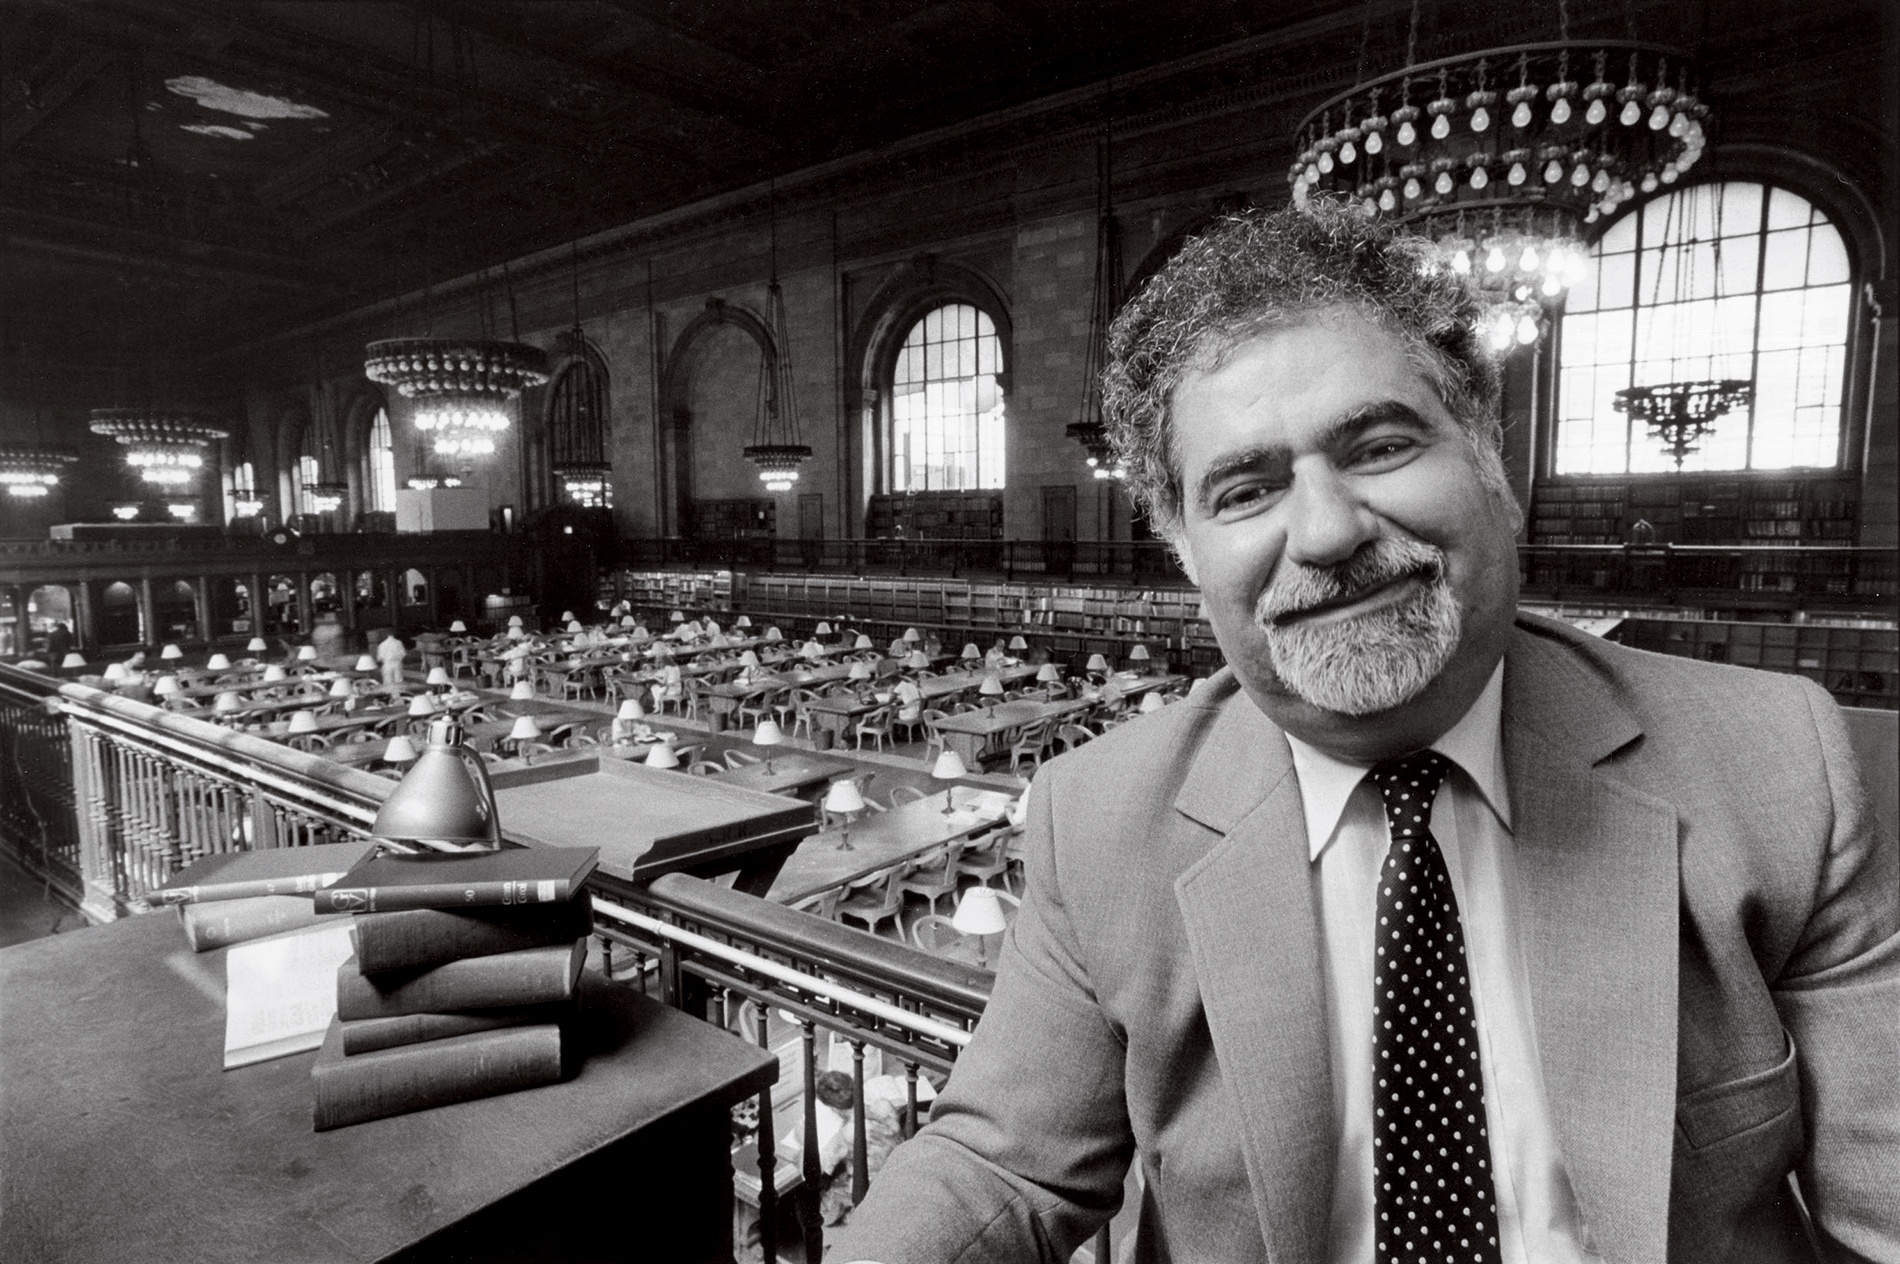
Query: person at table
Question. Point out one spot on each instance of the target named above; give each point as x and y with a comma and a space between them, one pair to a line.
390, 652
997, 655
1427, 930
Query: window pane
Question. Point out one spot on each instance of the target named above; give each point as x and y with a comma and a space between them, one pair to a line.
946, 414
1704, 312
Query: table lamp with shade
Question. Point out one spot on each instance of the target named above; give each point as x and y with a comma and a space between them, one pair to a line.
918, 661
444, 802
438, 678
303, 722
823, 629
514, 621
1138, 653
306, 653
846, 800
400, 750
567, 616
749, 660
949, 767
677, 616
73, 661
627, 621
773, 634
1017, 645
341, 688
217, 662
743, 621
274, 673
420, 706
256, 645
524, 731
912, 635
980, 913
458, 628
768, 735
573, 627
225, 703
661, 755
970, 651
171, 653
863, 642
900, 649
991, 688
1049, 674
166, 686
1152, 701
364, 663
116, 672
630, 714
1097, 663
860, 671
523, 691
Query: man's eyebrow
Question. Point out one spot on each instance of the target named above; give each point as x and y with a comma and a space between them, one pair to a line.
1278, 457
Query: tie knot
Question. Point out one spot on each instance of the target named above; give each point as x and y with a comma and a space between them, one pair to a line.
1408, 785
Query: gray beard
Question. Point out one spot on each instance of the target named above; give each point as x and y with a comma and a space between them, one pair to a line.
1373, 663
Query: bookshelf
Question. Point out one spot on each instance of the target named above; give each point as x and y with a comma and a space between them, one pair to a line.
936, 516
1858, 665
733, 519
1811, 509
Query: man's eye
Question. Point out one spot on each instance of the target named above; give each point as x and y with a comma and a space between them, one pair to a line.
1245, 496
1383, 450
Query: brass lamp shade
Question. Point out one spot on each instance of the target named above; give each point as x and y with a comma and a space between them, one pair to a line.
444, 799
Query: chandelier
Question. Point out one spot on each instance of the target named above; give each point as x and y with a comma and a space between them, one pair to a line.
324, 496
419, 483
30, 473
461, 387
1682, 414
1089, 430
1503, 156
165, 445
776, 447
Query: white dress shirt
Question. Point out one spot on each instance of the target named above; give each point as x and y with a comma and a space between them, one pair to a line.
1538, 1218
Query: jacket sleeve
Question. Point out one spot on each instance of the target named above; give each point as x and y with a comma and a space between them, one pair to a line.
1028, 1144
1840, 1000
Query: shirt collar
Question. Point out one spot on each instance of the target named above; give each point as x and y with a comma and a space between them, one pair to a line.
1327, 782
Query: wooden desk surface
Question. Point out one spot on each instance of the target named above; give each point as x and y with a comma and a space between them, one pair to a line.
646, 821
881, 839
1010, 715
122, 1139
789, 771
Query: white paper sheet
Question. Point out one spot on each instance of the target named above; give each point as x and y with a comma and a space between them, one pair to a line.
280, 993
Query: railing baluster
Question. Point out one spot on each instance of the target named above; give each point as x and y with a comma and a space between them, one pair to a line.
910, 1096
768, 1155
808, 1213
860, 1147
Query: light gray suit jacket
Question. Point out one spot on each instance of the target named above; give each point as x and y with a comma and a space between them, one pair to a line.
1712, 933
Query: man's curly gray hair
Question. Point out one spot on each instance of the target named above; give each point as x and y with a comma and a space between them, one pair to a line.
1259, 270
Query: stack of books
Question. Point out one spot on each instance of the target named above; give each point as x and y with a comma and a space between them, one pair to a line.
463, 983
237, 896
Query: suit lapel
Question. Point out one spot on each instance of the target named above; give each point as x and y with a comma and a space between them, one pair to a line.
1252, 928
1597, 862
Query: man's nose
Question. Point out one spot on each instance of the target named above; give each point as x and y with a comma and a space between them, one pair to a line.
1327, 522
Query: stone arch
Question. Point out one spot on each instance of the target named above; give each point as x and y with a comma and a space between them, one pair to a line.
676, 386
905, 297
356, 411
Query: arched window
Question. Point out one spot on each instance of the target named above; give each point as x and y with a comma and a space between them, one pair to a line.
577, 433
307, 471
1733, 280
243, 501
382, 464
946, 404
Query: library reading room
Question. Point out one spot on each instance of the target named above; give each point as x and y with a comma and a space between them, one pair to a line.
628, 631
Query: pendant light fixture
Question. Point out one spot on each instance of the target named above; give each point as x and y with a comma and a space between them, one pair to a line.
1503, 157
577, 414
30, 471
325, 493
776, 447
1088, 428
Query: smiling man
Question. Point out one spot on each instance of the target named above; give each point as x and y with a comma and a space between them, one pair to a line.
1429, 931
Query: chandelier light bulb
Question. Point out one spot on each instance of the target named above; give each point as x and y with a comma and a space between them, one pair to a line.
1495, 261
1596, 113
1325, 164
1553, 171
1412, 188
1407, 133
1479, 177
1528, 261
1601, 183
1669, 174
1387, 200
1553, 285
1480, 119
1348, 152
1560, 112
1580, 175
1443, 183
1659, 118
1678, 125
1375, 142
1312, 173
1441, 127
1517, 174
1649, 182
1526, 331
1631, 115
1502, 331
1461, 263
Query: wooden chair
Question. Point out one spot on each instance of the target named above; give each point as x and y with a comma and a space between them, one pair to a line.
1032, 742
705, 768
1070, 736
874, 898
800, 705
824, 904
878, 725
934, 875
933, 932
739, 759
758, 705
907, 794
933, 736
987, 856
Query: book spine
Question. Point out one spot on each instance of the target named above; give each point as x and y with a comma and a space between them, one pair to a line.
368, 1035
417, 1077
533, 976
249, 888
424, 937
226, 922
442, 895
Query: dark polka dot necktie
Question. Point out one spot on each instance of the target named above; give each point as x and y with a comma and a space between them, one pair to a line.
1431, 1168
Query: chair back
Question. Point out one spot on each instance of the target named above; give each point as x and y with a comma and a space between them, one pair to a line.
932, 931
906, 794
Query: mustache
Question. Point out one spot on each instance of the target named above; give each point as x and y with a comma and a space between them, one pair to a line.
1304, 588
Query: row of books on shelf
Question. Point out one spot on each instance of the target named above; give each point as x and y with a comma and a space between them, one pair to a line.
452, 977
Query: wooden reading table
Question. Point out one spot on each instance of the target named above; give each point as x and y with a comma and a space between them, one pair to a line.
882, 839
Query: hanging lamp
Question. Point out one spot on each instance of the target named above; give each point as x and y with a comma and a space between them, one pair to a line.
1503, 157
776, 447
578, 415
1088, 429
1681, 414
325, 493
29, 471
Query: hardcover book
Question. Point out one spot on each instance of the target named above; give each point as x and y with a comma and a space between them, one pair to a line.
351, 1090
531, 976
409, 938
220, 923
239, 875
511, 876
367, 1035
